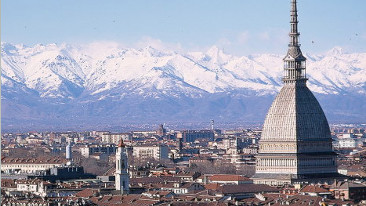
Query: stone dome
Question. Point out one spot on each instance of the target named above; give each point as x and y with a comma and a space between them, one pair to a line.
295, 115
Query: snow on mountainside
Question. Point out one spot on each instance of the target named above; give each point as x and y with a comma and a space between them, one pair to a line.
74, 75
67, 72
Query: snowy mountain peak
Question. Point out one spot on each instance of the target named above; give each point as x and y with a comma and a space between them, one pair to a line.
217, 54
335, 51
107, 80
57, 71
213, 51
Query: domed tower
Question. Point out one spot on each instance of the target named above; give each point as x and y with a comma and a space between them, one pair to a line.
121, 176
296, 145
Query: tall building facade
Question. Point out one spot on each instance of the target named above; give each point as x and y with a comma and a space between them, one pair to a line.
296, 144
147, 151
121, 176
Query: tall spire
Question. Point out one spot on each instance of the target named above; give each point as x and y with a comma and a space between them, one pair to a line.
294, 62
296, 143
294, 34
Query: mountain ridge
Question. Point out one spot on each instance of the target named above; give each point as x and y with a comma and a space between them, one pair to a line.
48, 81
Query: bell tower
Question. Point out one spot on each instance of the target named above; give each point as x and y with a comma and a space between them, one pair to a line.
121, 175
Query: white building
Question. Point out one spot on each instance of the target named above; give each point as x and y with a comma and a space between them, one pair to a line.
30, 165
68, 152
115, 137
157, 152
182, 188
92, 149
35, 186
347, 143
348, 135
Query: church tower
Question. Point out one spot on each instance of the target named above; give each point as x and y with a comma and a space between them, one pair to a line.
121, 175
296, 144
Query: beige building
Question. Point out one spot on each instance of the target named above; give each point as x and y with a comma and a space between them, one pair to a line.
228, 179
30, 165
348, 190
114, 138
157, 152
35, 186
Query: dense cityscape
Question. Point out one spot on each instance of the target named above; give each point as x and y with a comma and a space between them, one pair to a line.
200, 167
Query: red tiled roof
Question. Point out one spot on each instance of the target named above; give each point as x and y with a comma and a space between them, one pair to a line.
358, 173
228, 178
163, 193
121, 200
313, 189
38, 160
149, 180
87, 193
30, 181
212, 186
192, 203
8, 183
345, 185
246, 188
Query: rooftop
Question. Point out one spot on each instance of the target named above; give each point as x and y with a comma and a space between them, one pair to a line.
225, 177
38, 160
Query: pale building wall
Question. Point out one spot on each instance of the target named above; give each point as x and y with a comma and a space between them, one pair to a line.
27, 167
157, 152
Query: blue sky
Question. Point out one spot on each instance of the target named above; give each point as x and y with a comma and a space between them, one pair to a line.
238, 26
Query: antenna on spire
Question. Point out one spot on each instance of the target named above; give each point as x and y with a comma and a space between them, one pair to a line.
294, 62
294, 34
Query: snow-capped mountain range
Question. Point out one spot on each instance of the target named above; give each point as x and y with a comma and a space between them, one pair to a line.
92, 83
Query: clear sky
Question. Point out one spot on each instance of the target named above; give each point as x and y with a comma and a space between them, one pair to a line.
237, 26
